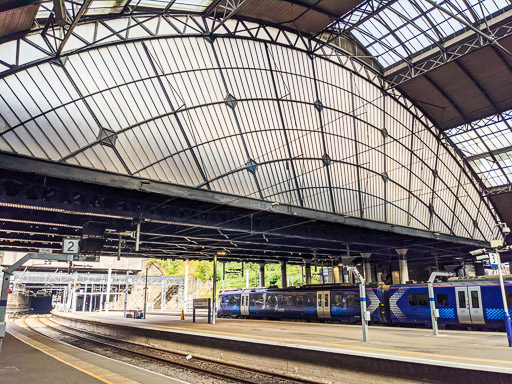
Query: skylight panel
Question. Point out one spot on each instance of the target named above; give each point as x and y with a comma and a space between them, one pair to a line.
179, 5
487, 145
104, 7
417, 25
191, 5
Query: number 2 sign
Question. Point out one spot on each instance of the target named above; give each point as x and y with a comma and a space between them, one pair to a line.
70, 245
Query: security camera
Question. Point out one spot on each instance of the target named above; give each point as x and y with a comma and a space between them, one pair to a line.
482, 257
504, 228
477, 252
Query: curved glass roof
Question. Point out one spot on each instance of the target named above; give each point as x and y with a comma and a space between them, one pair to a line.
256, 117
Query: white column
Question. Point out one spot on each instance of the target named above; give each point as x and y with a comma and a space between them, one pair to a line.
162, 302
247, 270
92, 297
368, 272
73, 293
214, 293
402, 265
109, 281
185, 290
101, 298
85, 298
223, 275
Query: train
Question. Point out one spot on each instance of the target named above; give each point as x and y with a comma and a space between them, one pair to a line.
470, 303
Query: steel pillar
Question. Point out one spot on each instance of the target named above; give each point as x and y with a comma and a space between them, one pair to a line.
262, 275
307, 271
283, 274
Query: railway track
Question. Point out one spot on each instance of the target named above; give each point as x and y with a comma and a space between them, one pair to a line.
205, 367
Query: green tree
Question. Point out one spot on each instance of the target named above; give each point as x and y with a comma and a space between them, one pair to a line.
235, 276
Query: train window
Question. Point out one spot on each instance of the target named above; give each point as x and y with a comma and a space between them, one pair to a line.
257, 300
319, 300
418, 299
302, 300
338, 300
287, 300
442, 299
271, 300
462, 299
474, 299
508, 295
232, 300
352, 300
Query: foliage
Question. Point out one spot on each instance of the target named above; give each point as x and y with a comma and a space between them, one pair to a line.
233, 272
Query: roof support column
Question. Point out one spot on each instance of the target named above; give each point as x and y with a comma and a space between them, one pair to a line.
336, 273
283, 274
402, 266
307, 271
262, 274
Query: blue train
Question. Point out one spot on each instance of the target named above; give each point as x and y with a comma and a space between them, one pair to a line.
462, 302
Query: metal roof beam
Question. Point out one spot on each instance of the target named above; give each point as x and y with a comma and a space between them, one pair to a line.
462, 44
75, 22
489, 153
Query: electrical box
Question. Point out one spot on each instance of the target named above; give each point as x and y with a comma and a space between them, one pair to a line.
367, 316
436, 313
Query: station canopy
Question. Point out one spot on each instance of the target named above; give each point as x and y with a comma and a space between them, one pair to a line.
393, 114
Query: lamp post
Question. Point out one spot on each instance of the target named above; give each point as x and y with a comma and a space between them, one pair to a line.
146, 292
126, 292
214, 301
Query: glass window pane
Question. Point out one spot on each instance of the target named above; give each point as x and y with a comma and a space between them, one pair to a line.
462, 299
474, 300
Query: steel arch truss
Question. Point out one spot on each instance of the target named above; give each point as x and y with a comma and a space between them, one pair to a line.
274, 122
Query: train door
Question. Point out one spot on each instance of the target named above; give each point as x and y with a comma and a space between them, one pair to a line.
469, 305
323, 304
475, 304
244, 304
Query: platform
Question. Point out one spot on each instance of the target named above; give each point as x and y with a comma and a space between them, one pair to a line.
476, 352
28, 357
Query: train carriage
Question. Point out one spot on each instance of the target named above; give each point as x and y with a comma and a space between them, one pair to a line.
461, 303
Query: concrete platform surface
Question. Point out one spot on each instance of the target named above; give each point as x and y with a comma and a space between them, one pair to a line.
487, 351
28, 357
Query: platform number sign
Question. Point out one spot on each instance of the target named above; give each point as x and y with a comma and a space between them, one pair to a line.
71, 245
494, 260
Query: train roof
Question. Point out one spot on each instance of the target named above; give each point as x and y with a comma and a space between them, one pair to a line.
478, 278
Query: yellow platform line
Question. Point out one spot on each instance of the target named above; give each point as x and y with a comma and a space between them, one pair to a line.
73, 361
432, 355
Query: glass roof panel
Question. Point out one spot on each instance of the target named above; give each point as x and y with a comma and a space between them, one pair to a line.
103, 7
179, 5
416, 25
487, 145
